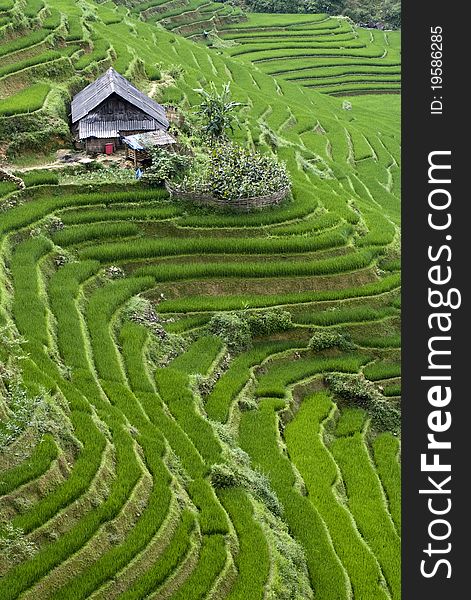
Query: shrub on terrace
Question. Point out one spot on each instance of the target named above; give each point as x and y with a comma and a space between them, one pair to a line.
162, 350
223, 476
14, 546
232, 329
236, 329
231, 172
269, 321
41, 414
355, 388
166, 165
323, 340
237, 471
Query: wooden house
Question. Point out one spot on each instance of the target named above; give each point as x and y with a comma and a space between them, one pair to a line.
109, 109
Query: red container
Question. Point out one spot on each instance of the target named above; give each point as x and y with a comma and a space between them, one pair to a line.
108, 148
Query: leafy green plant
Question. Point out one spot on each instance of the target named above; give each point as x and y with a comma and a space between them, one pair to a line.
223, 476
166, 165
217, 111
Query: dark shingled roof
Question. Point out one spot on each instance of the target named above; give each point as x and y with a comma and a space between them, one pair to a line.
114, 83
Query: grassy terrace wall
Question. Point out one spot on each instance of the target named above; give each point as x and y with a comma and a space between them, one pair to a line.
144, 457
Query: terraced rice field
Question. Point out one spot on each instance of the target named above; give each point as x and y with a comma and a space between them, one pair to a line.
190, 18
329, 54
141, 457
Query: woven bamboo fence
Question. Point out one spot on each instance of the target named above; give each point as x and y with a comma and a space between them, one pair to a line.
238, 205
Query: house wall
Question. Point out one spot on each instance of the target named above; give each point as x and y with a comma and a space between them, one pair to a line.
113, 114
114, 109
98, 144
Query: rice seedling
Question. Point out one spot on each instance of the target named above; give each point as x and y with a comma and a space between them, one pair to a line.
382, 370
6, 187
173, 386
74, 27
99, 52
24, 575
179, 441
85, 467
211, 561
146, 248
158, 438
295, 268
167, 563
280, 374
33, 7
390, 341
252, 561
393, 389
21, 42
200, 356
369, 512
29, 310
185, 323
39, 177
35, 465
28, 100
53, 20
101, 308
45, 57
64, 287
212, 518
31, 212
138, 213
386, 448
258, 436
350, 421
77, 234
145, 528
320, 473
133, 338
338, 316
219, 401
198, 304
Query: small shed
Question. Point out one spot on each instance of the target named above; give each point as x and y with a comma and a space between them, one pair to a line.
137, 145
110, 108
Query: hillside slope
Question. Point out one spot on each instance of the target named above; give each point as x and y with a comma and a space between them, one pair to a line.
141, 457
